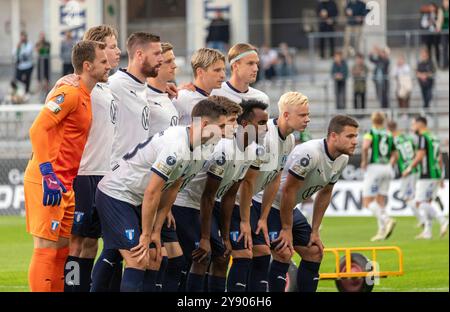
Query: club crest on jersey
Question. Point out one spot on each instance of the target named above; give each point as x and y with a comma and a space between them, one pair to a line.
145, 117
54, 225
171, 160
221, 160
234, 236
129, 234
113, 112
78, 217
260, 151
174, 121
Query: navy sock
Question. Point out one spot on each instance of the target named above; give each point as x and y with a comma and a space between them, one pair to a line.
116, 278
109, 262
277, 276
308, 276
173, 274
133, 280
85, 274
216, 283
73, 285
194, 282
259, 271
237, 276
206, 282
150, 280
161, 274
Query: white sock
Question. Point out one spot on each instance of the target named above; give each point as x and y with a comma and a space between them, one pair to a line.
416, 211
428, 216
376, 210
438, 214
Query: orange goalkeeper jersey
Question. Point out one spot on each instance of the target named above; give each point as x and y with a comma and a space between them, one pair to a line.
59, 134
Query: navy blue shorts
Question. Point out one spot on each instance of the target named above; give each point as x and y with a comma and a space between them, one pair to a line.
189, 231
301, 230
168, 234
235, 228
120, 221
85, 221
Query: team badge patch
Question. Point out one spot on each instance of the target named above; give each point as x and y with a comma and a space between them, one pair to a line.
59, 99
54, 225
260, 151
78, 217
221, 160
171, 160
301, 171
129, 234
304, 162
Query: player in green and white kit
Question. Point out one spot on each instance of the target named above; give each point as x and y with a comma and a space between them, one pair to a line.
430, 160
406, 148
378, 166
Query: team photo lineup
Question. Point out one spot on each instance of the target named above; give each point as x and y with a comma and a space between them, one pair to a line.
139, 183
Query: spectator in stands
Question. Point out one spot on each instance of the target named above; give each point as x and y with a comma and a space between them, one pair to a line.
429, 23
43, 50
402, 74
339, 72
359, 73
442, 26
285, 64
380, 58
268, 59
66, 53
355, 11
218, 33
425, 75
327, 13
24, 61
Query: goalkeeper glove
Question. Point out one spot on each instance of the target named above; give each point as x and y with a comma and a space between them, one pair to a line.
51, 185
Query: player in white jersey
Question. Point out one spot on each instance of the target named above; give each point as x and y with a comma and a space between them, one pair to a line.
163, 115
244, 62
203, 209
147, 179
208, 67
312, 167
132, 113
93, 166
251, 257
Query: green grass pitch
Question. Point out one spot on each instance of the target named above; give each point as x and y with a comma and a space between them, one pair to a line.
426, 263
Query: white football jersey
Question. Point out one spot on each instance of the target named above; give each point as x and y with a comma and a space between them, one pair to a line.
163, 113
185, 102
312, 163
167, 154
228, 91
132, 113
273, 158
227, 163
97, 152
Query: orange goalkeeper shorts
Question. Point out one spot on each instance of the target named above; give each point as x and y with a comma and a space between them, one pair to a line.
48, 222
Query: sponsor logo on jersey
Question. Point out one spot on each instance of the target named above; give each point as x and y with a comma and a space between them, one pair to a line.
163, 168
216, 170
78, 216
129, 234
299, 170
54, 225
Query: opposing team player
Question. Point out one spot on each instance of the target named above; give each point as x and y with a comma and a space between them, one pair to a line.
58, 137
379, 171
203, 209
208, 67
312, 167
429, 158
264, 175
147, 177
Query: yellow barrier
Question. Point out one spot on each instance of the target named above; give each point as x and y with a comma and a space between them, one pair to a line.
348, 273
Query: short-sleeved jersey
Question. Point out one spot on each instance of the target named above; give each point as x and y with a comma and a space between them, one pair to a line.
163, 113
228, 164
274, 156
97, 153
312, 163
406, 148
131, 111
381, 147
228, 91
69, 111
429, 168
185, 102
167, 154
